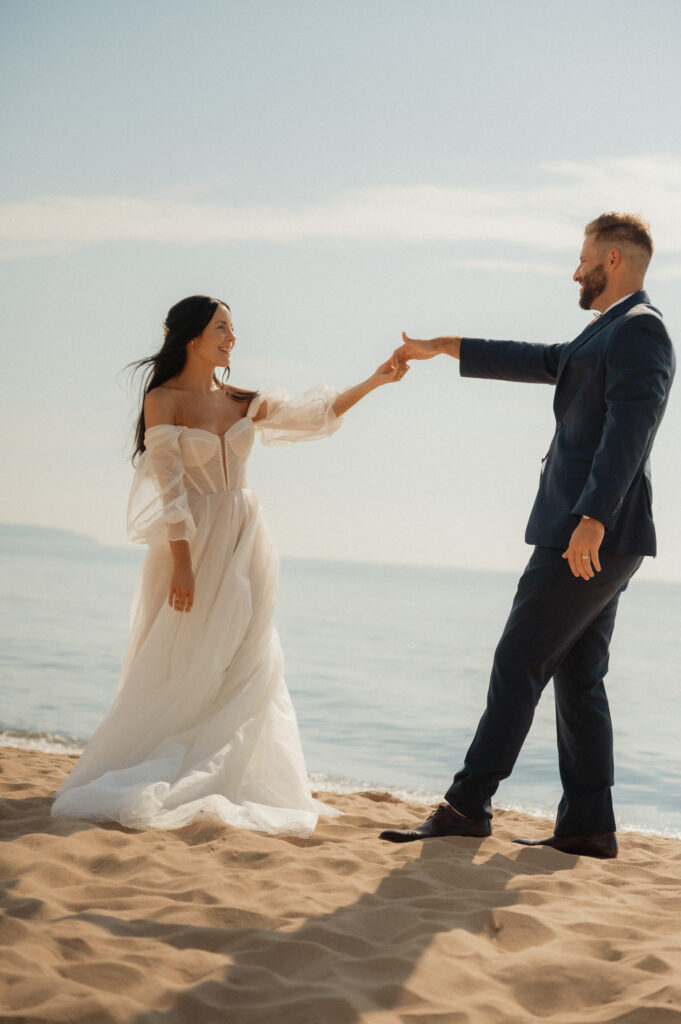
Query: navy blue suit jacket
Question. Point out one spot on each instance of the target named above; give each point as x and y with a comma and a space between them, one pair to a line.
612, 385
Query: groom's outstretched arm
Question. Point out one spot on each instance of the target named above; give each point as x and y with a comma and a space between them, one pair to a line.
494, 360
419, 348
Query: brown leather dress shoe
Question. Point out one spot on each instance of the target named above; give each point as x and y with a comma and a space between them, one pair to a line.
444, 821
603, 845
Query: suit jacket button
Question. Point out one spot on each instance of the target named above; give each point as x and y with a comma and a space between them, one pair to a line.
559, 424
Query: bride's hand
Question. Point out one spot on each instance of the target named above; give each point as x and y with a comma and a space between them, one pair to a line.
181, 594
391, 370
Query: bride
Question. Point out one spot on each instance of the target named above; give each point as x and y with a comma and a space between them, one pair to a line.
202, 723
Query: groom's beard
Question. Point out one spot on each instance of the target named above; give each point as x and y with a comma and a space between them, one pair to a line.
593, 285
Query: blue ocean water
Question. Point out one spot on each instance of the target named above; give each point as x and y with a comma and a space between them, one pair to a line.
387, 666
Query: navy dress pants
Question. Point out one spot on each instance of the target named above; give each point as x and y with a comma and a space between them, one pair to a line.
559, 626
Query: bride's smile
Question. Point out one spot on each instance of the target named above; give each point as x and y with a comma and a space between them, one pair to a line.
215, 343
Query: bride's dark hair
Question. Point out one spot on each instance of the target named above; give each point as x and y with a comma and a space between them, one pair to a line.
184, 322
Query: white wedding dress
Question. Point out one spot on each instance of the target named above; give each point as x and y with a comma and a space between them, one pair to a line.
202, 724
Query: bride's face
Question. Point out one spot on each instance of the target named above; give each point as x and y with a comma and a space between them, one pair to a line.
216, 341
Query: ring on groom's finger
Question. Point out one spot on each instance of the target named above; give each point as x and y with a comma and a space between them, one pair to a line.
586, 557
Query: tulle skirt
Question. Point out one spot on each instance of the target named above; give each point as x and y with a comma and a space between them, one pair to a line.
202, 724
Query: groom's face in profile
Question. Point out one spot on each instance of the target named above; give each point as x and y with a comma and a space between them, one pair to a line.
590, 273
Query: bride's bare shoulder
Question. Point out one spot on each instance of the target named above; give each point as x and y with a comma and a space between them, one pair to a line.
261, 407
160, 406
247, 396
261, 412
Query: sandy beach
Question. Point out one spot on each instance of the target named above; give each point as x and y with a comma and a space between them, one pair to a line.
205, 924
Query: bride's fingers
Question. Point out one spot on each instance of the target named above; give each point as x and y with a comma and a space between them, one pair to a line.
389, 366
180, 600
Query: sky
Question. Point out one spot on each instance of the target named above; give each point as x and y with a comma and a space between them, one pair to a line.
338, 172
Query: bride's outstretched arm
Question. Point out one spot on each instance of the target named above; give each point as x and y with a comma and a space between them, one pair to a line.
387, 373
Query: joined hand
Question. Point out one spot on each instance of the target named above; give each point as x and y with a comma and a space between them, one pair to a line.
426, 348
391, 370
415, 348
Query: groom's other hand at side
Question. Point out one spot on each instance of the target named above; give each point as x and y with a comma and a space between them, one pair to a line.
582, 551
422, 348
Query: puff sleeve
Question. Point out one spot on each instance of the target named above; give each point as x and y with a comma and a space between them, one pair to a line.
158, 509
305, 417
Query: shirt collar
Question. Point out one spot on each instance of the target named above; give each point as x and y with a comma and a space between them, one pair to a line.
623, 299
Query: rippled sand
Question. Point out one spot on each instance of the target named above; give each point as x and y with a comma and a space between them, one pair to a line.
210, 924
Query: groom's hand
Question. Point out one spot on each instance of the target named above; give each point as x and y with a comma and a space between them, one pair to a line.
582, 551
420, 348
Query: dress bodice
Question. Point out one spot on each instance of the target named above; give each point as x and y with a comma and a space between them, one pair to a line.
180, 464
214, 463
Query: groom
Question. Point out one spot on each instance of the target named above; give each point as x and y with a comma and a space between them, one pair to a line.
591, 525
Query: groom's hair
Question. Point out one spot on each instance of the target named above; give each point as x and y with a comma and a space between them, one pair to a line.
624, 231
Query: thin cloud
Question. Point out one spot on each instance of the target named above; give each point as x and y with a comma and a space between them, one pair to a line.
544, 211
534, 267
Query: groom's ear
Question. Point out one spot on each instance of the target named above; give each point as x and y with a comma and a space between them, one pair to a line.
614, 258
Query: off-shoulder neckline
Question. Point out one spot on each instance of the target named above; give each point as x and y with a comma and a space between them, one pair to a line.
251, 411
212, 433
200, 430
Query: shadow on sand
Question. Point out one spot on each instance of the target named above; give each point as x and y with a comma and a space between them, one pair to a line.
336, 967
